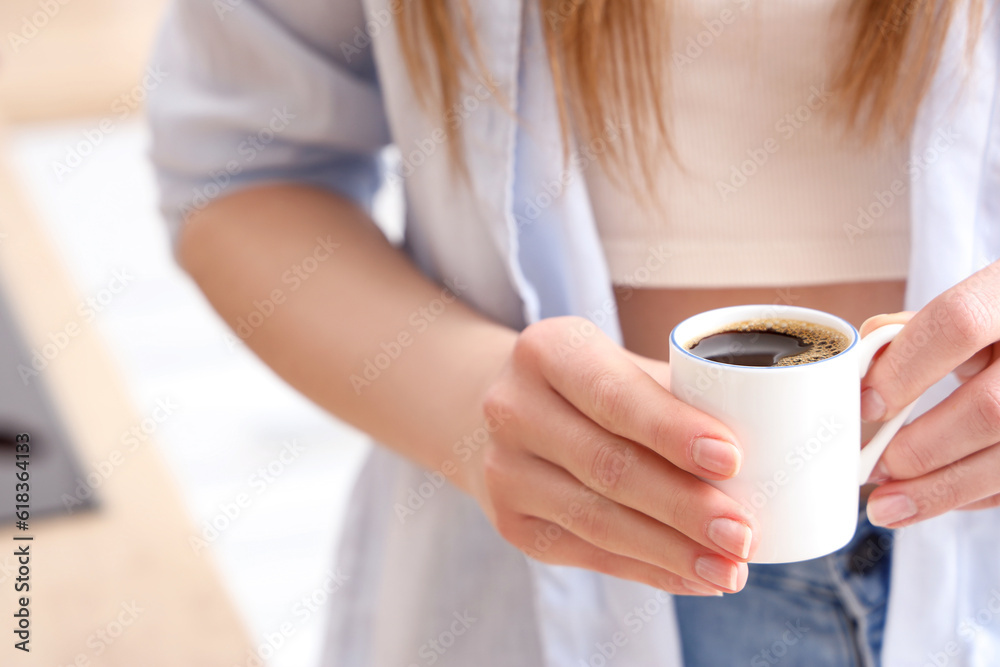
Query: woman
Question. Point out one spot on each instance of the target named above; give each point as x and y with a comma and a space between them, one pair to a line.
574, 187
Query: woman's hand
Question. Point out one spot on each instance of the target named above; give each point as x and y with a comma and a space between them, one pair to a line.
595, 466
949, 457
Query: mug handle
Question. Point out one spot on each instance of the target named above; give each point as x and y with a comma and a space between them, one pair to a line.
868, 346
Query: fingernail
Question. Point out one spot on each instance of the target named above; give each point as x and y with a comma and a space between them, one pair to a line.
717, 570
699, 589
889, 509
716, 456
872, 405
731, 535
879, 474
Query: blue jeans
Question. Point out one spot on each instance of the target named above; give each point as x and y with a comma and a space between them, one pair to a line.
827, 612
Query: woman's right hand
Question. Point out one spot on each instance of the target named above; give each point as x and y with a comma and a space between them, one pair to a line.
596, 465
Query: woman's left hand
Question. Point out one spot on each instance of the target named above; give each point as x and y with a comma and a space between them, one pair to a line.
949, 457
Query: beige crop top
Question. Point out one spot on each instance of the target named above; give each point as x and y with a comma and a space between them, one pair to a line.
768, 189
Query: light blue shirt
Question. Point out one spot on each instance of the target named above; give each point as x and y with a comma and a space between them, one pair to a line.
313, 90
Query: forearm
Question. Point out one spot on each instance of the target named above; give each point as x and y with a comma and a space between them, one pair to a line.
339, 292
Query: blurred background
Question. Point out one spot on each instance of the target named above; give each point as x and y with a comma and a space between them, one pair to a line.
185, 502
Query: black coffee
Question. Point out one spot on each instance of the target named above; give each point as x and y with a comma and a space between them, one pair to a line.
774, 342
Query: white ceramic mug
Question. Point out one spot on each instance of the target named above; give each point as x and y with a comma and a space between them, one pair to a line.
799, 426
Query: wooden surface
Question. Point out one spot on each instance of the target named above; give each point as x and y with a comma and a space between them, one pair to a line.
118, 586
94, 569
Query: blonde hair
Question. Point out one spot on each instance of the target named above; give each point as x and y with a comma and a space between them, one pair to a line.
610, 58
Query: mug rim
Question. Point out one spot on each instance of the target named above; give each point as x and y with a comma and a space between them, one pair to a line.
784, 310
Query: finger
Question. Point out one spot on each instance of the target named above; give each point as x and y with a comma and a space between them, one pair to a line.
654, 368
551, 543
974, 478
636, 477
963, 423
984, 504
942, 335
976, 364
878, 321
563, 500
604, 384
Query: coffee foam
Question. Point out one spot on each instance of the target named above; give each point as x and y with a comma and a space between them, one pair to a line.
825, 342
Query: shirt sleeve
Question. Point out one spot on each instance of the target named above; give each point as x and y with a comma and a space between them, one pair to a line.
255, 91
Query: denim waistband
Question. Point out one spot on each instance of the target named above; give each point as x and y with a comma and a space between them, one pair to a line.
825, 612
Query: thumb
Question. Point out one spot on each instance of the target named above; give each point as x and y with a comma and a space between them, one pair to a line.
873, 323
